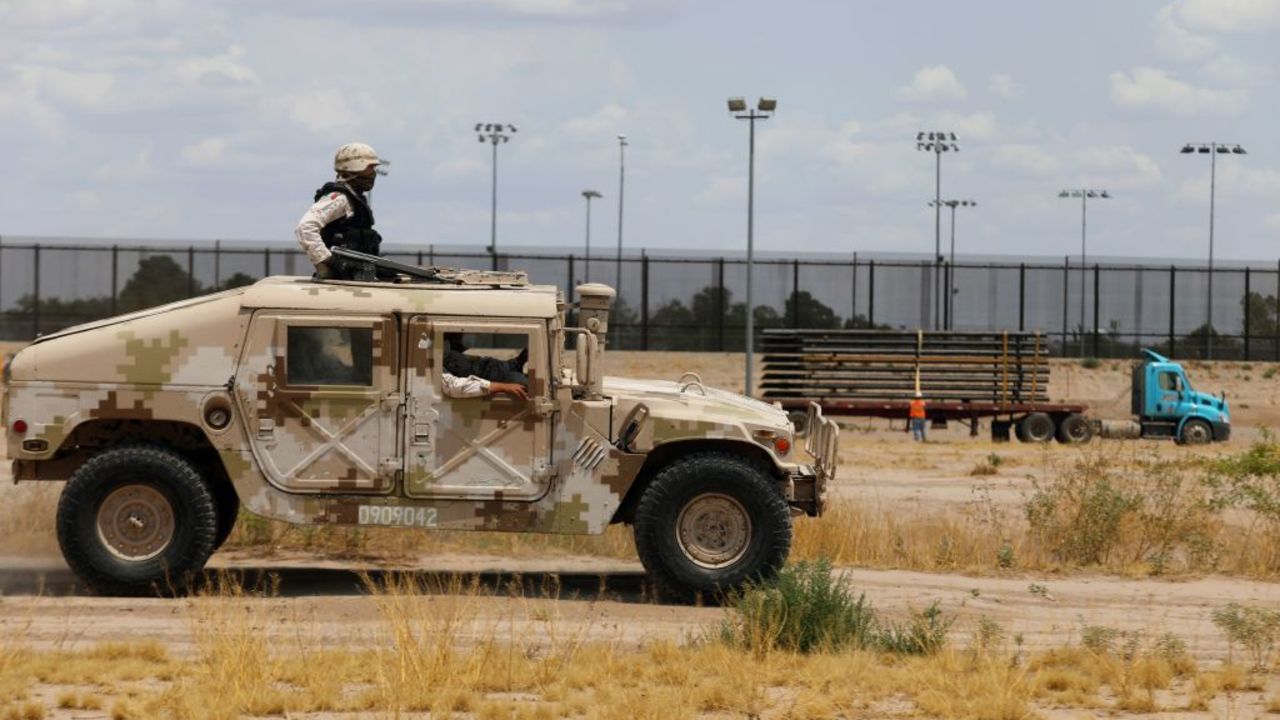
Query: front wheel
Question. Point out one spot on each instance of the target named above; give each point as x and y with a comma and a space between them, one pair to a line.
709, 523
1196, 432
135, 520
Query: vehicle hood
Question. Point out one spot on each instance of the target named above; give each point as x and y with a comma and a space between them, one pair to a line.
695, 402
1212, 402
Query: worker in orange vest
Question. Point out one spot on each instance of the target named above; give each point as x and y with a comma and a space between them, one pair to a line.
916, 414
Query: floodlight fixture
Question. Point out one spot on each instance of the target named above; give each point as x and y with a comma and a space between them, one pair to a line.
767, 104
737, 104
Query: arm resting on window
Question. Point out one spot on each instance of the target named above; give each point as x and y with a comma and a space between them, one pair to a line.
464, 387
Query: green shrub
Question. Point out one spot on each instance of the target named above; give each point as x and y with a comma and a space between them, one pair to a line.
805, 609
1255, 629
1090, 363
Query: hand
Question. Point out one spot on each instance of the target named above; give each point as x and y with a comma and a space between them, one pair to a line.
324, 271
515, 389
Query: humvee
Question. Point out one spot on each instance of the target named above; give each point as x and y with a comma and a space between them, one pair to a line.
314, 401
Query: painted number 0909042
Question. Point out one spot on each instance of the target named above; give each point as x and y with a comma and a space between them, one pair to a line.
397, 516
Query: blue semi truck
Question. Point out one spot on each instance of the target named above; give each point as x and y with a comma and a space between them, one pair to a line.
1165, 405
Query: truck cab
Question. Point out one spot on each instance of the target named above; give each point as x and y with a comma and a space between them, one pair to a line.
1167, 405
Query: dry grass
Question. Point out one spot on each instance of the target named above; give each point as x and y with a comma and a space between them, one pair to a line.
433, 653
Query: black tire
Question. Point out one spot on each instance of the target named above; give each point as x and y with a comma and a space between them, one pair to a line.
1195, 432
721, 488
157, 488
228, 510
1036, 427
1075, 430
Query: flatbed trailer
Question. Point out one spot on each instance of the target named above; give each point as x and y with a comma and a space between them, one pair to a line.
962, 376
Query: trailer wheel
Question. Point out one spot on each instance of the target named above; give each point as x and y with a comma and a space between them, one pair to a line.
1036, 427
1196, 432
1074, 430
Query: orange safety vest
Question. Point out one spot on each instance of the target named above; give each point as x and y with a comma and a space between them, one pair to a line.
917, 409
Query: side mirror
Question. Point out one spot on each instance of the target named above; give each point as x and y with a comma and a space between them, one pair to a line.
590, 370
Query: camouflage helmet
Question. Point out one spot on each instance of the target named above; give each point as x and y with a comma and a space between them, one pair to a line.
354, 158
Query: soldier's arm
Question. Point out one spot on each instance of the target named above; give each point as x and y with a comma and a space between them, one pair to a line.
331, 207
464, 387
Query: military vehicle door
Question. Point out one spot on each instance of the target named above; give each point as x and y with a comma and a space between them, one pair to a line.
481, 447
321, 399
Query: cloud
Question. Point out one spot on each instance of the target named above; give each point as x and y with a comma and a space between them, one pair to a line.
970, 126
209, 152
1234, 180
219, 70
1147, 87
132, 170
323, 112
1272, 221
80, 90
1117, 166
607, 120
1030, 159
1004, 86
1236, 72
936, 82
721, 190
1228, 15
1177, 43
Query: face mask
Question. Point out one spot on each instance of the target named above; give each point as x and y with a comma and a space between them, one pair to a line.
363, 183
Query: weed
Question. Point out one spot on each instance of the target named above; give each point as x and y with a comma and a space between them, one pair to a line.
804, 609
1005, 556
1269, 373
1255, 629
1038, 590
1090, 363
924, 633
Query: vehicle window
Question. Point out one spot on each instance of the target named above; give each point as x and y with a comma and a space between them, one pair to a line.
492, 356
330, 356
1169, 381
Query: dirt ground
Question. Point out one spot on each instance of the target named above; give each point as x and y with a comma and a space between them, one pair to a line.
604, 599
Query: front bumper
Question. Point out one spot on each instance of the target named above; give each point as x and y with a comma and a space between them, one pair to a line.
809, 485
1221, 431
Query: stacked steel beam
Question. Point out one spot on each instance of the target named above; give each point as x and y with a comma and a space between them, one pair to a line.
880, 365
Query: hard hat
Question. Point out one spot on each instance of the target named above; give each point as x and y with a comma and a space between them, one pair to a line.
354, 158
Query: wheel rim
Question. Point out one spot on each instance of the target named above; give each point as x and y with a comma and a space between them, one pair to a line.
1197, 434
1040, 428
713, 530
135, 522
1076, 430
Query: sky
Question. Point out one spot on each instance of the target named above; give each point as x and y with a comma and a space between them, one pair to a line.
169, 119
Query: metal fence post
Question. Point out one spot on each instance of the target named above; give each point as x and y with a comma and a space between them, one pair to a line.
1066, 285
853, 290
1173, 297
720, 308
1248, 304
871, 293
795, 293
1022, 297
115, 276
266, 262
217, 263
35, 290
644, 300
1275, 329
1097, 274
572, 277
419, 258
191, 271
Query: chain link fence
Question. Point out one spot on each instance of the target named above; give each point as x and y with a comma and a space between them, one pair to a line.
697, 303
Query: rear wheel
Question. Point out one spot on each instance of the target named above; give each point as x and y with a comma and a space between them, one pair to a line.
1036, 427
1196, 432
709, 523
135, 520
1075, 430
799, 420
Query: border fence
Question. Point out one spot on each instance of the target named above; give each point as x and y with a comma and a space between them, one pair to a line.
695, 303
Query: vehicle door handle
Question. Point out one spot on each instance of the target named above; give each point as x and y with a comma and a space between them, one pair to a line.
421, 434
266, 429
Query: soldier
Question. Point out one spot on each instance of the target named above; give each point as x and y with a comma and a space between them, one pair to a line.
468, 376
341, 216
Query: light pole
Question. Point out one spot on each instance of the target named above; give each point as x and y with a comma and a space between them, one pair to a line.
589, 194
622, 179
1085, 195
937, 142
495, 134
1212, 149
951, 263
763, 110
